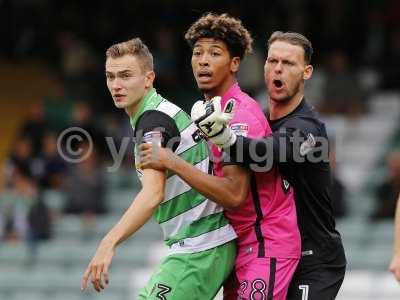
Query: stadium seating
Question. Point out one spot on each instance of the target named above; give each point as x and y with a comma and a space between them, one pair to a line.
56, 271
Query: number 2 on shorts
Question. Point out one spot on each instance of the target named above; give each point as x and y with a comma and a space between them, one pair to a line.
163, 291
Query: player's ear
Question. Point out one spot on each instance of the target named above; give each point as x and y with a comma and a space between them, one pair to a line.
149, 78
308, 72
235, 62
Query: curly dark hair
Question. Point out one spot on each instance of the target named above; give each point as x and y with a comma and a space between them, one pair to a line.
222, 27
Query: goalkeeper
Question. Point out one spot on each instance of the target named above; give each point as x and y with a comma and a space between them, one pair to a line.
304, 162
260, 206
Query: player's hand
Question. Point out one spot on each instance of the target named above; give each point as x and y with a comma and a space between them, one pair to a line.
394, 267
155, 157
213, 121
97, 270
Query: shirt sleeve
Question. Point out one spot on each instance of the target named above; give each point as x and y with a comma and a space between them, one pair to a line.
297, 141
155, 126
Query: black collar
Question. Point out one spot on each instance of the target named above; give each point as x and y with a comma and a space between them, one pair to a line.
299, 107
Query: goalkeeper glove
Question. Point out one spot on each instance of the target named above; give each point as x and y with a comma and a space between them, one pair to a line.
213, 121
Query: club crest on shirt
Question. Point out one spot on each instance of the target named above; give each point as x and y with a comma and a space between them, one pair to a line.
154, 137
240, 129
307, 145
285, 185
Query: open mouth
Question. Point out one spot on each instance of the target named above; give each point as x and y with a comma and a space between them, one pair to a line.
204, 74
277, 83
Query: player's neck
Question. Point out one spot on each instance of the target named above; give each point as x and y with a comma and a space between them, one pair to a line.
280, 109
132, 109
221, 89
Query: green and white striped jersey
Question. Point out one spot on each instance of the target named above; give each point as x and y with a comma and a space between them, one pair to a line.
189, 221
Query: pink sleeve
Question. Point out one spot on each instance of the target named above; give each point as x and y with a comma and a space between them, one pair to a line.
255, 119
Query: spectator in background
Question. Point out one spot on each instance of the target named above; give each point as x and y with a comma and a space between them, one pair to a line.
77, 63
34, 127
21, 158
84, 185
39, 221
23, 214
58, 107
394, 266
386, 193
342, 93
52, 166
82, 117
15, 203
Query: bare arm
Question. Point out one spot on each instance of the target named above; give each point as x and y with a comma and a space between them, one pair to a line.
395, 263
140, 211
229, 191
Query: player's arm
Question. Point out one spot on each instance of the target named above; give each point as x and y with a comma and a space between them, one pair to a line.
141, 209
395, 263
229, 191
263, 152
297, 141
258, 154
139, 212
146, 202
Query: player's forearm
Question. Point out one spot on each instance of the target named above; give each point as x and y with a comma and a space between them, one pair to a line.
221, 190
140, 211
251, 153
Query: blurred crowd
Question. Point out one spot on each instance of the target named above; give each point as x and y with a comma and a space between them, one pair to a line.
35, 167
351, 39
357, 51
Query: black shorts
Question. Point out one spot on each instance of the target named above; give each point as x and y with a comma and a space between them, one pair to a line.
317, 282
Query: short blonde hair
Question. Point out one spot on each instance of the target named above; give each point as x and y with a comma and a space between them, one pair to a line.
134, 47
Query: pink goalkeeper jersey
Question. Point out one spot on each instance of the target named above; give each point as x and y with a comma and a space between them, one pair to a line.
266, 223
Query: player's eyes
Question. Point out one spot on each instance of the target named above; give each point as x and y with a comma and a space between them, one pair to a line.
126, 76
215, 54
196, 53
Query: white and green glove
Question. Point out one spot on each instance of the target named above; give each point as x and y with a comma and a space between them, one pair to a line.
213, 121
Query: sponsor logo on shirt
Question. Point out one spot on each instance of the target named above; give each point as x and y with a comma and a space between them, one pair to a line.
307, 145
154, 137
240, 129
197, 136
249, 250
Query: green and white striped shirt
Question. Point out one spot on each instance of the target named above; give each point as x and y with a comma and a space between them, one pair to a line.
189, 221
